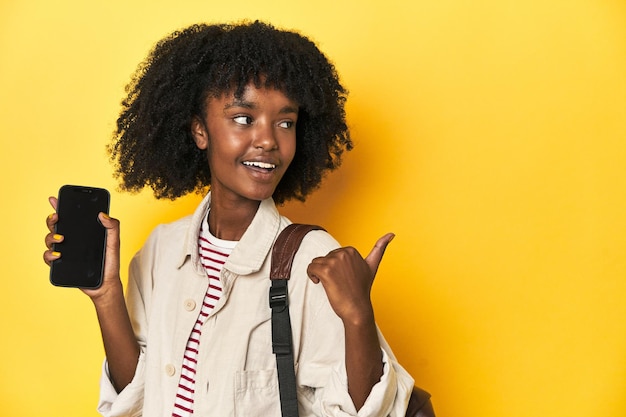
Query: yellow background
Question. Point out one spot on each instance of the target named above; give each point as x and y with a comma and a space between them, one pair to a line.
490, 137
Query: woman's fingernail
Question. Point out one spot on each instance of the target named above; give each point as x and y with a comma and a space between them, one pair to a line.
106, 216
57, 237
50, 216
57, 254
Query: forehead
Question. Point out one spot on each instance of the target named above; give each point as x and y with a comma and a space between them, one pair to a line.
252, 96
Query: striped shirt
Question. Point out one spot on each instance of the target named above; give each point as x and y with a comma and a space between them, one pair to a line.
213, 253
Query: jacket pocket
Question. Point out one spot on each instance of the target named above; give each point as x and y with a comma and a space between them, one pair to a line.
257, 394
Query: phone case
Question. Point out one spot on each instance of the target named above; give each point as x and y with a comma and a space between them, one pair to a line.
82, 250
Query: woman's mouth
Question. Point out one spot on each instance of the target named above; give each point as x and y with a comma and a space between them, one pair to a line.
260, 165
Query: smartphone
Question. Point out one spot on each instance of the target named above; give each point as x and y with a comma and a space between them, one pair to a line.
81, 263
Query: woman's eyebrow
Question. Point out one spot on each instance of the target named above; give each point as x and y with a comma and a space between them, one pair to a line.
251, 105
289, 109
240, 103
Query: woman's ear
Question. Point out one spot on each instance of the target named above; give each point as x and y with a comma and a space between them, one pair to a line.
199, 133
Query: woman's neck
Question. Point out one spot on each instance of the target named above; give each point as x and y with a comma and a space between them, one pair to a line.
230, 221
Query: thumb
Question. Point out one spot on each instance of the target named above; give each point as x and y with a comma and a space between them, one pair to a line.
53, 202
377, 252
113, 229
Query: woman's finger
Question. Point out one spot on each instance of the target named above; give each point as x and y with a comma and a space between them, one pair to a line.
377, 252
52, 219
52, 238
50, 255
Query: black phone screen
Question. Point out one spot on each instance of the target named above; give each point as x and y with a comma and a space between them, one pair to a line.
82, 251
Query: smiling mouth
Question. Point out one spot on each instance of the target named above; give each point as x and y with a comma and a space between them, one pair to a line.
261, 165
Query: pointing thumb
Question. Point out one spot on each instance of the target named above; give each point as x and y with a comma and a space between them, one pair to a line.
377, 252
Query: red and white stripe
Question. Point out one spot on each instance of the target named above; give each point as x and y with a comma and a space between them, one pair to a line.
213, 254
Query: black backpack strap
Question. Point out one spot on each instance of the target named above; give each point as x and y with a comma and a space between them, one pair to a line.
284, 251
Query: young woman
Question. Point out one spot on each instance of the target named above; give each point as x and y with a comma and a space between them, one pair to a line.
251, 116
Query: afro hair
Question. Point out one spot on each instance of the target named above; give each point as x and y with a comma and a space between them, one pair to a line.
152, 144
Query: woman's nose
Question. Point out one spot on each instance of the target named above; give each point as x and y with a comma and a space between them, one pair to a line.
265, 137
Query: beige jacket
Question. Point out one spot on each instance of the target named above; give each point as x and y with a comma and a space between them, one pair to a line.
236, 373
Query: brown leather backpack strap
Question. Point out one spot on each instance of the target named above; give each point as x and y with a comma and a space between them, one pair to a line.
283, 253
285, 248
420, 404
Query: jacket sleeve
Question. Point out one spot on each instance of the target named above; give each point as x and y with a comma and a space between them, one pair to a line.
321, 373
326, 377
129, 402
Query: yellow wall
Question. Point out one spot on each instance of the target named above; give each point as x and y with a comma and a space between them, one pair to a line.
491, 137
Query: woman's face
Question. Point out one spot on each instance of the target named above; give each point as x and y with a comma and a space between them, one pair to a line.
250, 142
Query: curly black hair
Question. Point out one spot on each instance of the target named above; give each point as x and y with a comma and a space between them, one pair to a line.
153, 145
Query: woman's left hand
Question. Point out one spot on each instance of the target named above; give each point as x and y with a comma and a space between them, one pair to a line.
347, 278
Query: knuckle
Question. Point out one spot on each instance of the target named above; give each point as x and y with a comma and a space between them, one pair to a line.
351, 250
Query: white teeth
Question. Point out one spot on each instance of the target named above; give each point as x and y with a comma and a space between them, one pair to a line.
263, 165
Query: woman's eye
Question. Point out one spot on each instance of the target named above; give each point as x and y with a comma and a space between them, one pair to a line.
286, 124
243, 120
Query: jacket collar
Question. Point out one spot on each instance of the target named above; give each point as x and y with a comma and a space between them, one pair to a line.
253, 248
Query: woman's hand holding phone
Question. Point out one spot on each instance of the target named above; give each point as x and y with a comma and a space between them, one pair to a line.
121, 347
110, 274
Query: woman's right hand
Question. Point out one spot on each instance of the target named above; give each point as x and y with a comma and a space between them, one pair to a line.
111, 283
120, 346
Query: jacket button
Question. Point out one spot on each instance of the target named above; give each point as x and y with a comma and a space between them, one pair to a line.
170, 370
190, 305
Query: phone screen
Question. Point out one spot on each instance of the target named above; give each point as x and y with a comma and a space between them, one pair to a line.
82, 251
